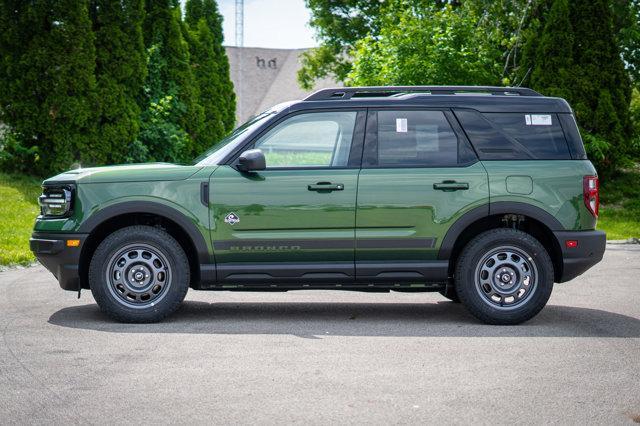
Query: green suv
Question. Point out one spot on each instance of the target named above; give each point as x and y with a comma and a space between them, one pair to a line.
484, 194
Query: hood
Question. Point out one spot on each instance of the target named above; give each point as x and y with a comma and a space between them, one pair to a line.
126, 173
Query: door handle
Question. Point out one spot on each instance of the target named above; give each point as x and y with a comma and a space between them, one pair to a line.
326, 186
451, 185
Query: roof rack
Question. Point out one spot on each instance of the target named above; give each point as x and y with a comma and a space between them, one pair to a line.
345, 93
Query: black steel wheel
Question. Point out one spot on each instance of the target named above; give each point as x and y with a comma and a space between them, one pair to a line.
139, 274
504, 276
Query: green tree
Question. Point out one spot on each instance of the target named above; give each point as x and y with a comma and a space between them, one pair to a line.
172, 76
626, 19
433, 45
47, 82
208, 79
338, 25
212, 65
120, 73
554, 52
161, 138
577, 56
341, 25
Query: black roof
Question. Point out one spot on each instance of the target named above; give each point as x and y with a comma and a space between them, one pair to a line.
480, 98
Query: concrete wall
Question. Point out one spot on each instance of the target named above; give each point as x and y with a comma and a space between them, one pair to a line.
265, 77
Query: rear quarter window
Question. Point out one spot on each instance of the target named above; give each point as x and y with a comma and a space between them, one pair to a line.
519, 136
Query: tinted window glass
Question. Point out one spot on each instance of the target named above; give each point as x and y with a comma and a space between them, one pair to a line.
570, 128
540, 134
515, 136
489, 143
416, 139
321, 139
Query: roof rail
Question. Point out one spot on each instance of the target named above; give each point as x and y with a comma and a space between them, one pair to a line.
345, 93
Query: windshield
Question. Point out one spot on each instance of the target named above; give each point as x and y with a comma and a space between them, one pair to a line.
219, 151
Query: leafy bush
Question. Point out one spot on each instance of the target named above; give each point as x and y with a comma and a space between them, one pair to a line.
598, 151
161, 138
16, 158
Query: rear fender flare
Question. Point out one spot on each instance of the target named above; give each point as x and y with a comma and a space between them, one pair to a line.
501, 207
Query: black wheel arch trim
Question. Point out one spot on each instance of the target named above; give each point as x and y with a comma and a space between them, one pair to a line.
490, 209
149, 207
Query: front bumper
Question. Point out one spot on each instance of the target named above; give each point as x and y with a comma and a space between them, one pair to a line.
63, 262
589, 251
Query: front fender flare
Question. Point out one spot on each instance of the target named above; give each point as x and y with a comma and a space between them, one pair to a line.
150, 207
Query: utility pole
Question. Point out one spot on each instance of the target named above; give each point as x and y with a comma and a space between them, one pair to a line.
239, 23
239, 62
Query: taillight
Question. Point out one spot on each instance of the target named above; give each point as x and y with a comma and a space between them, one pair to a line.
590, 188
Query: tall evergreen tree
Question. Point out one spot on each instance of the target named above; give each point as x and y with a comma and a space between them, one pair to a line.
218, 74
120, 74
207, 76
577, 56
554, 52
600, 71
163, 34
47, 80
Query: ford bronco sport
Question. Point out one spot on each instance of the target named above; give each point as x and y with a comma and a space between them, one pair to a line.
484, 194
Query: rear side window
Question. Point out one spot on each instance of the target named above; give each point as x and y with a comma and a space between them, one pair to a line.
520, 136
416, 139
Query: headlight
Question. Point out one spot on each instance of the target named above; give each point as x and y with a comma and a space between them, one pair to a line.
56, 201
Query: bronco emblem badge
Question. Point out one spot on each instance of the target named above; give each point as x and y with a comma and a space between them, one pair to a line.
231, 218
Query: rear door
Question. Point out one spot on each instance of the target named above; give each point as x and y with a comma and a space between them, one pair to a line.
419, 175
293, 222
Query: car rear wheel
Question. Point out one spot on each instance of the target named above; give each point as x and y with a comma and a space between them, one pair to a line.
504, 276
139, 274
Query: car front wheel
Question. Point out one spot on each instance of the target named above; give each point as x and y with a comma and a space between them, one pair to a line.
139, 274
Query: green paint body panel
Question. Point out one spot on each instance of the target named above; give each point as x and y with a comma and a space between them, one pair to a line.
276, 205
100, 188
557, 188
402, 203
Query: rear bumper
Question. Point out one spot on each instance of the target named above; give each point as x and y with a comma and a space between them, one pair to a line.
63, 262
589, 251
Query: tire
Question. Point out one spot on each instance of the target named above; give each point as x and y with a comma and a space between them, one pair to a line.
504, 277
450, 293
139, 274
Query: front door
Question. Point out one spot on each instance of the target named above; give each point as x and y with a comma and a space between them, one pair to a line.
419, 175
293, 222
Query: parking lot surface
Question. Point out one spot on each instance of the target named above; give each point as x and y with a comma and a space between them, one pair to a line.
318, 357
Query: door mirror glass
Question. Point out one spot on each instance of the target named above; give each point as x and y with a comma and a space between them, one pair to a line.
251, 161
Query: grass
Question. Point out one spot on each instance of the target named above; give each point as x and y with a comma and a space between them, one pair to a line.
619, 212
18, 210
620, 205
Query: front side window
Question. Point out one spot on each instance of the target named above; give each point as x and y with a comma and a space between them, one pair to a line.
319, 139
416, 139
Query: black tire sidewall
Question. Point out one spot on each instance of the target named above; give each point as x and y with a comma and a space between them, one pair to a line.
473, 254
161, 241
450, 293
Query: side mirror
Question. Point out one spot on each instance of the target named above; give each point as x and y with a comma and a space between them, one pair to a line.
251, 161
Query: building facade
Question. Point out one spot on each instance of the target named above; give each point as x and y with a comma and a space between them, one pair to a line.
265, 77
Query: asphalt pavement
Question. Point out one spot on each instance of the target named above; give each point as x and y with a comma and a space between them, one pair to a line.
319, 357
